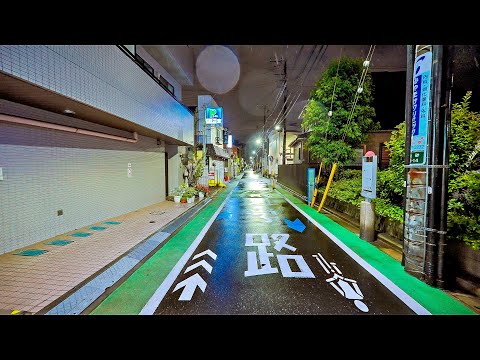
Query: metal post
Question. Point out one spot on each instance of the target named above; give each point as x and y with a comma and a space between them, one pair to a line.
284, 114
435, 180
263, 140
444, 117
408, 128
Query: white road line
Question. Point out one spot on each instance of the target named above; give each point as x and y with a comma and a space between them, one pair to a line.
160, 293
336, 268
402, 295
321, 263
325, 261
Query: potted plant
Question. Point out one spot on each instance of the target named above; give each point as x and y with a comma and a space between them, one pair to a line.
199, 191
190, 194
177, 194
205, 190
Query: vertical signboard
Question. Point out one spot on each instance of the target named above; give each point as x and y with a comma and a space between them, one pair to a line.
310, 183
369, 177
420, 107
417, 177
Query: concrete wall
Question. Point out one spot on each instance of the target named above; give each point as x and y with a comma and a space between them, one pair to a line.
178, 60
86, 177
175, 167
184, 58
374, 141
101, 76
159, 70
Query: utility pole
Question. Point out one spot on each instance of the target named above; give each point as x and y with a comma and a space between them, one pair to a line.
427, 178
284, 112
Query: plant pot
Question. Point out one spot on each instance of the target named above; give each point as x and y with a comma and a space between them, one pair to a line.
183, 200
200, 195
177, 198
191, 199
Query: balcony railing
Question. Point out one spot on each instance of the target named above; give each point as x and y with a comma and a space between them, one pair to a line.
148, 69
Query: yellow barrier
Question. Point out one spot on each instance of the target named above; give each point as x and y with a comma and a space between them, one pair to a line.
330, 179
316, 184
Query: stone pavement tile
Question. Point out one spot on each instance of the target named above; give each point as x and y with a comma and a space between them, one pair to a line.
40, 280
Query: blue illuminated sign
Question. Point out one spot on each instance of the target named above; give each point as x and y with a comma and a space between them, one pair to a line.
214, 115
420, 107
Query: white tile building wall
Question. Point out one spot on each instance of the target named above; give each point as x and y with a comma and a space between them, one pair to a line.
103, 77
86, 177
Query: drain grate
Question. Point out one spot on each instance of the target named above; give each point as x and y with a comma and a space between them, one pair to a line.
112, 222
81, 234
157, 213
59, 242
97, 228
31, 252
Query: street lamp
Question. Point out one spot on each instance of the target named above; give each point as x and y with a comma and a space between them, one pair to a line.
277, 127
258, 141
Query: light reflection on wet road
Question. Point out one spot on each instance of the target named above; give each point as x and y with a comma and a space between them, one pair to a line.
263, 266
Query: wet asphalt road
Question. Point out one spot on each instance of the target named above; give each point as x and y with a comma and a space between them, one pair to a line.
310, 286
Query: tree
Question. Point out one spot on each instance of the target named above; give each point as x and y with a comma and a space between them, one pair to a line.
333, 139
464, 176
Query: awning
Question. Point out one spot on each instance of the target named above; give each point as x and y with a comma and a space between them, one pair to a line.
216, 151
300, 138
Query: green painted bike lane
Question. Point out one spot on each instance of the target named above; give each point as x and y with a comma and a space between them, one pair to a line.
132, 295
434, 300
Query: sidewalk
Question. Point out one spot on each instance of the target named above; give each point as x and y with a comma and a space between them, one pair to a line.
30, 283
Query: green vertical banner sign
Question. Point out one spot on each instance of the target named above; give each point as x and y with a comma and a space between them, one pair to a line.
310, 183
420, 107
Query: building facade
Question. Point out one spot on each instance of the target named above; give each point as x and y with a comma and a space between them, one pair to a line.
86, 133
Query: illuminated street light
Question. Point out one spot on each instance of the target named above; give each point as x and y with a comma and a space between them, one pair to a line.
258, 141
277, 127
253, 152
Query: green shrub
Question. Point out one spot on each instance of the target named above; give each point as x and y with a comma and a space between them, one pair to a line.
349, 188
464, 177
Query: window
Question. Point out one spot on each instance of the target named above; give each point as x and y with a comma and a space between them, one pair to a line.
139, 59
130, 48
171, 88
148, 68
166, 84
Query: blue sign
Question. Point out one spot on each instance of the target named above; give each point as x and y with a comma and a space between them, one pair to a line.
310, 183
214, 115
420, 107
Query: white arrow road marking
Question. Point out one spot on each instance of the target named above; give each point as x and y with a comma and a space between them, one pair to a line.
206, 252
162, 290
203, 263
190, 285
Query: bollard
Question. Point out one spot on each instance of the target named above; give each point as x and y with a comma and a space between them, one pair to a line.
367, 221
369, 191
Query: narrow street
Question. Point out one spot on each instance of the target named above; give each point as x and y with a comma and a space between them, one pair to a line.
263, 256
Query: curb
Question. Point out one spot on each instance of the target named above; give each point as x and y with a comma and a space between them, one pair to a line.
82, 296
